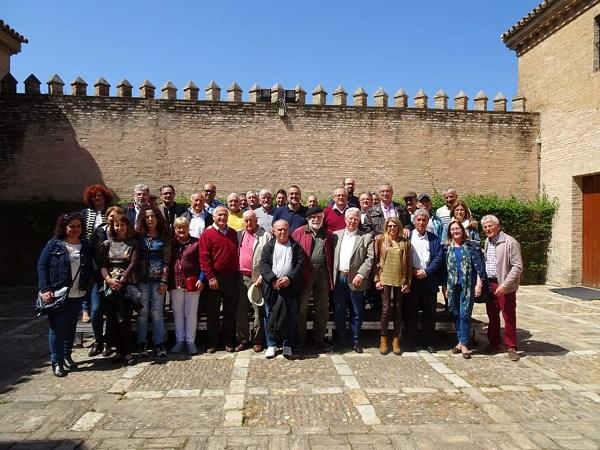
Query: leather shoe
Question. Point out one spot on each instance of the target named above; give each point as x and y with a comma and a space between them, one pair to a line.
95, 350
241, 347
358, 348
229, 349
58, 370
107, 351
431, 349
257, 348
512, 354
211, 350
69, 364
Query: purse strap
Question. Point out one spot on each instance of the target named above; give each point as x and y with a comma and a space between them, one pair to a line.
75, 277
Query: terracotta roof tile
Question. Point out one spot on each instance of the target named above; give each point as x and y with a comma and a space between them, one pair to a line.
7, 29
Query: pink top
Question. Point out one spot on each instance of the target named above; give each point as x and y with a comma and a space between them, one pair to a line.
246, 250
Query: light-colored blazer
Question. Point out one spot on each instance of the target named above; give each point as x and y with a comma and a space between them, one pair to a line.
262, 237
361, 260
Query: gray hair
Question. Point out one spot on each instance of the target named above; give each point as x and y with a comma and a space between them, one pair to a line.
233, 195
351, 211
450, 191
421, 212
218, 208
141, 187
249, 213
280, 222
490, 218
265, 192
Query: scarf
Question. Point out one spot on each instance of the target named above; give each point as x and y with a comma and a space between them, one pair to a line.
465, 269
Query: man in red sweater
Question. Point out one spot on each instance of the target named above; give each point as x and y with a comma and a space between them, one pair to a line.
219, 262
334, 213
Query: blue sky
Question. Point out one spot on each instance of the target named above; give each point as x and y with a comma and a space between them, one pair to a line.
435, 44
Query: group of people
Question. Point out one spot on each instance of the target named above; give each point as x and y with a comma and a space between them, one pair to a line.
274, 254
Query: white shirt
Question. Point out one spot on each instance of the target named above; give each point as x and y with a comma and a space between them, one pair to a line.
444, 214
420, 250
282, 259
98, 220
348, 241
197, 224
74, 251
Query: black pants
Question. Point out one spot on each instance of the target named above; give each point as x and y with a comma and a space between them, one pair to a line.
119, 311
422, 298
227, 295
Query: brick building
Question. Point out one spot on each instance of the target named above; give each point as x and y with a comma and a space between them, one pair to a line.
10, 44
558, 49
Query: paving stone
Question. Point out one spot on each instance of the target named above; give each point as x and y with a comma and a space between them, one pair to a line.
87, 421
165, 442
303, 375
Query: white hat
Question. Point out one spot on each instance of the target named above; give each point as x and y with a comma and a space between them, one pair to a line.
255, 296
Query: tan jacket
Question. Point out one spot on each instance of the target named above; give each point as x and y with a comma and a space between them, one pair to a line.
406, 263
361, 260
509, 263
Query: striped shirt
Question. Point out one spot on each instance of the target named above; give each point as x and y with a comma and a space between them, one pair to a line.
490, 257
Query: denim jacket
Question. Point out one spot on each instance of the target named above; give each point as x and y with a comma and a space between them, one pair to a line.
54, 267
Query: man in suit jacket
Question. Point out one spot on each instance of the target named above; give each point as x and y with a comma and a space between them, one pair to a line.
169, 208
427, 262
352, 262
386, 208
141, 197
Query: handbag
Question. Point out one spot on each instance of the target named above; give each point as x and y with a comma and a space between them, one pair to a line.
190, 282
58, 298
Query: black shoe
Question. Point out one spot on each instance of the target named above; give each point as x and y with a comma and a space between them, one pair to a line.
95, 350
107, 351
358, 348
116, 359
58, 370
431, 349
69, 364
143, 349
129, 360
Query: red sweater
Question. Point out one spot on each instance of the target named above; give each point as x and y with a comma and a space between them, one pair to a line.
334, 219
218, 253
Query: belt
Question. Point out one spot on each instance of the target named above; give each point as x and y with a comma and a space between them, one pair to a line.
493, 279
343, 273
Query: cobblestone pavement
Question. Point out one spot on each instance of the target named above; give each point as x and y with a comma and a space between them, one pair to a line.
549, 399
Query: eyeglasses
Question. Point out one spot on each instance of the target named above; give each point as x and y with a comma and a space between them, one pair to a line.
392, 225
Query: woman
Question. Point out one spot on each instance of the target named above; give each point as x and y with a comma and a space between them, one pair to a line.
102, 342
460, 212
96, 198
119, 263
185, 286
465, 270
392, 276
153, 270
65, 261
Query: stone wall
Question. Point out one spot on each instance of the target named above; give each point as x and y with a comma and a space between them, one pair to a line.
561, 80
54, 145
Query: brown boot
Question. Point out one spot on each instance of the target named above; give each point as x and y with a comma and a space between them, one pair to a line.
384, 349
396, 346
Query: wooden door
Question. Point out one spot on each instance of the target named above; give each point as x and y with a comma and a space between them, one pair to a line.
591, 231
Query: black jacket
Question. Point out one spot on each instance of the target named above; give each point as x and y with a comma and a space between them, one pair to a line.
266, 270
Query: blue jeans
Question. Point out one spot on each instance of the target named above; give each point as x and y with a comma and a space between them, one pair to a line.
63, 323
153, 303
97, 314
462, 315
343, 297
291, 304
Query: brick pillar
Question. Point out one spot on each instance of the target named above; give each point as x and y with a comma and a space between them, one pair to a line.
190, 91
440, 100
480, 102
461, 101
381, 98
234, 93
147, 89
500, 102
254, 93
124, 88
212, 92
519, 103
8, 85
421, 99
277, 93
55, 85
319, 96
79, 87
32, 85
340, 96
359, 97
101, 88
169, 91
400, 99
300, 95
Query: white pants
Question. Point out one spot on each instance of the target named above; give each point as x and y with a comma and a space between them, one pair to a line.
185, 312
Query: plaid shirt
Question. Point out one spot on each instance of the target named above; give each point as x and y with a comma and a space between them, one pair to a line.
490, 257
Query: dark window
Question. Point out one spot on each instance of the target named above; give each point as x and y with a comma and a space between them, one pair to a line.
265, 95
290, 96
597, 43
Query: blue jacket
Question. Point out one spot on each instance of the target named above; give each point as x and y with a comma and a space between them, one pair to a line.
54, 267
435, 268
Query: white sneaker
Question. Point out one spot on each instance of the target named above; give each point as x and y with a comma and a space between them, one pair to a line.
287, 352
270, 352
192, 349
178, 348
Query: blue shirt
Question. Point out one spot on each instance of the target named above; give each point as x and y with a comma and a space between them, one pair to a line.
458, 257
293, 218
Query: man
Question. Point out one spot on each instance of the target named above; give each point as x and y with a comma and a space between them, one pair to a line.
294, 213
350, 184
317, 246
365, 199
384, 210
219, 262
281, 270
252, 240
427, 262
410, 200
443, 212
280, 198
235, 212
243, 201
253, 201
141, 197
168, 207
352, 262
334, 213
435, 224
503, 264
210, 192
311, 201
197, 215
265, 212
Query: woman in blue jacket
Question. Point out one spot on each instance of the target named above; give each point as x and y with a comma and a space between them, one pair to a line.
65, 261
